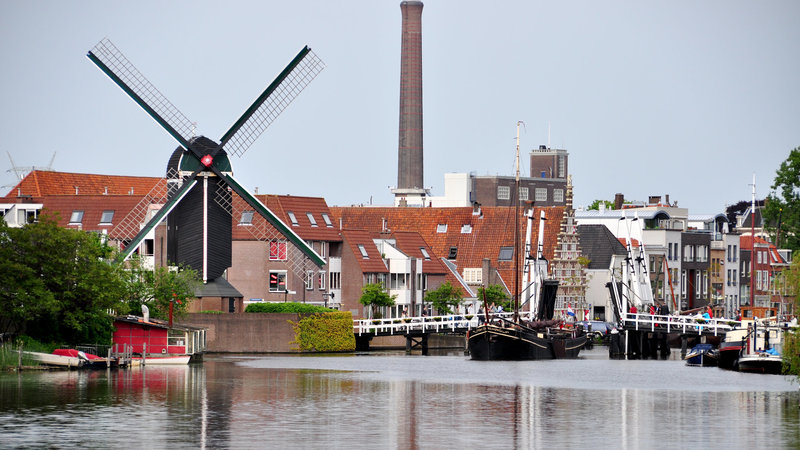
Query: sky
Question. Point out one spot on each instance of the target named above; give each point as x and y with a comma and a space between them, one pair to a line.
686, 98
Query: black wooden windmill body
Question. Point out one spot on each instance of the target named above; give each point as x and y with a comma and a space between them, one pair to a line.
197, 198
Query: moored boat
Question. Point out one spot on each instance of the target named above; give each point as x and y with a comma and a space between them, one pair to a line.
157, 360
702, 355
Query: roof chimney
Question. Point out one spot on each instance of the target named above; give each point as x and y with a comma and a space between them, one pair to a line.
619, 200
105, 190
76, 190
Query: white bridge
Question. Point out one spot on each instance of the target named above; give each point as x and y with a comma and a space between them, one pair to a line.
679, 324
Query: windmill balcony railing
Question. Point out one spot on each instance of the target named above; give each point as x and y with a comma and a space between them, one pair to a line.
685, 324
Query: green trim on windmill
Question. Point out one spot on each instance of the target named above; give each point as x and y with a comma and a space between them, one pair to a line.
157, 218
190, 162
275, 221
261, 98
164, 124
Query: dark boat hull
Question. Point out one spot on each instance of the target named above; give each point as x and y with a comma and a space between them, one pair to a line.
728, 357
494, 343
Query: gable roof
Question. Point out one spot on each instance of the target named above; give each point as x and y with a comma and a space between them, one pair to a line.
411, 243
42, 183
598, 244
373, 263
281, 205
482, 237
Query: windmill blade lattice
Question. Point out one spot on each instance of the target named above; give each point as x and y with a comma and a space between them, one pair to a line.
125, 74
269, 105
140, 215
263, 231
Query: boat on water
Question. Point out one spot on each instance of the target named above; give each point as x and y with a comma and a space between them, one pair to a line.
536, 336
702, 355
70, 358
170, 360
755, 344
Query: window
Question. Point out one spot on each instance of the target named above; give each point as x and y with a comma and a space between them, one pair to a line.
397, 281
523, 193
148, 247
292, 218
506, 254
558, 195
735, 252
335, 280
473, 275
441, 228
327, 220
503, 192
277, 251
669, 255
76, 217
425, 253
541, 194
733, 281
107, 217
309, 280
311, 219
466, 228
323, 248
453, 253
363, 251
247, 218
321, 281
277, 281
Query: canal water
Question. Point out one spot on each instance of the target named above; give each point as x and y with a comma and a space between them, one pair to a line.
394, 400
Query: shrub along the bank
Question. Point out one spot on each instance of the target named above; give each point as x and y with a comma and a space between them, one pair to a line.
288, 308
325, 332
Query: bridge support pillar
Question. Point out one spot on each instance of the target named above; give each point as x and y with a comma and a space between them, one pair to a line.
417, 341
362, 342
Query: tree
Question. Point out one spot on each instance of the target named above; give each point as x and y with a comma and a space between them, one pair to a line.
783, 203
157, 288
373, 295
495, 294
56, 283
596, 205
791, 346
443, 297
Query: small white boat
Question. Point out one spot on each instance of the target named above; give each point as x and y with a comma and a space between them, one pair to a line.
49, 359
162, 360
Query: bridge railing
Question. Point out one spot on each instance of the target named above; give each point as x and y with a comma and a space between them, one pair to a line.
405, 325
683, 324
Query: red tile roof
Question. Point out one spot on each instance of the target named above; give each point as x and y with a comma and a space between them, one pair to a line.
410, 243
488, 232
281, 205
373, 263
42, 183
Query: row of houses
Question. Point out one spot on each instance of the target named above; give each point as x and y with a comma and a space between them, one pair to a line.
692, 261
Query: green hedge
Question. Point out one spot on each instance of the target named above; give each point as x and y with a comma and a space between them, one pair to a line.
290, 308
325, 332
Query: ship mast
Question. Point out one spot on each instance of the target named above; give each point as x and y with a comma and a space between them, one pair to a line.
515, 318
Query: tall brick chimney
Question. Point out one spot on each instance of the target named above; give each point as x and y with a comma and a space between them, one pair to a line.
410, 188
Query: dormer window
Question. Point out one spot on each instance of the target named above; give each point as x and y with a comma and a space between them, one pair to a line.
441, 228
107, 217
247, 218
292, 218
363, 251
453, 253
425, 253
327, 220
466, 228
311, 219
76, 217
506, 254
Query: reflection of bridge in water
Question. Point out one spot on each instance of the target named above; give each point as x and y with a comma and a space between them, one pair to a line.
643, 335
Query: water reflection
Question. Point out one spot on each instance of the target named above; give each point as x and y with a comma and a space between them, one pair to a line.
398, 402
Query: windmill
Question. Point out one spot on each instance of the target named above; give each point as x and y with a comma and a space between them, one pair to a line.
199, 195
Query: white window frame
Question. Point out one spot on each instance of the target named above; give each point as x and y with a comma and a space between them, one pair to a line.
277, 256
309, 281
327, 220
247, 218
558, 195
363, 251
523, 193
466, 228
503, 193
321, 280
311, 219
107, 217
76, 217
425, 253
441, 228
293, 218
277, 288
540, 194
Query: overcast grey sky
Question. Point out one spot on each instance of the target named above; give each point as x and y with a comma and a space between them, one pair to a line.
688, 98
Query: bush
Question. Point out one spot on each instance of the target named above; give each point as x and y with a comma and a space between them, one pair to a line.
325, 332
210, 312
286, 308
